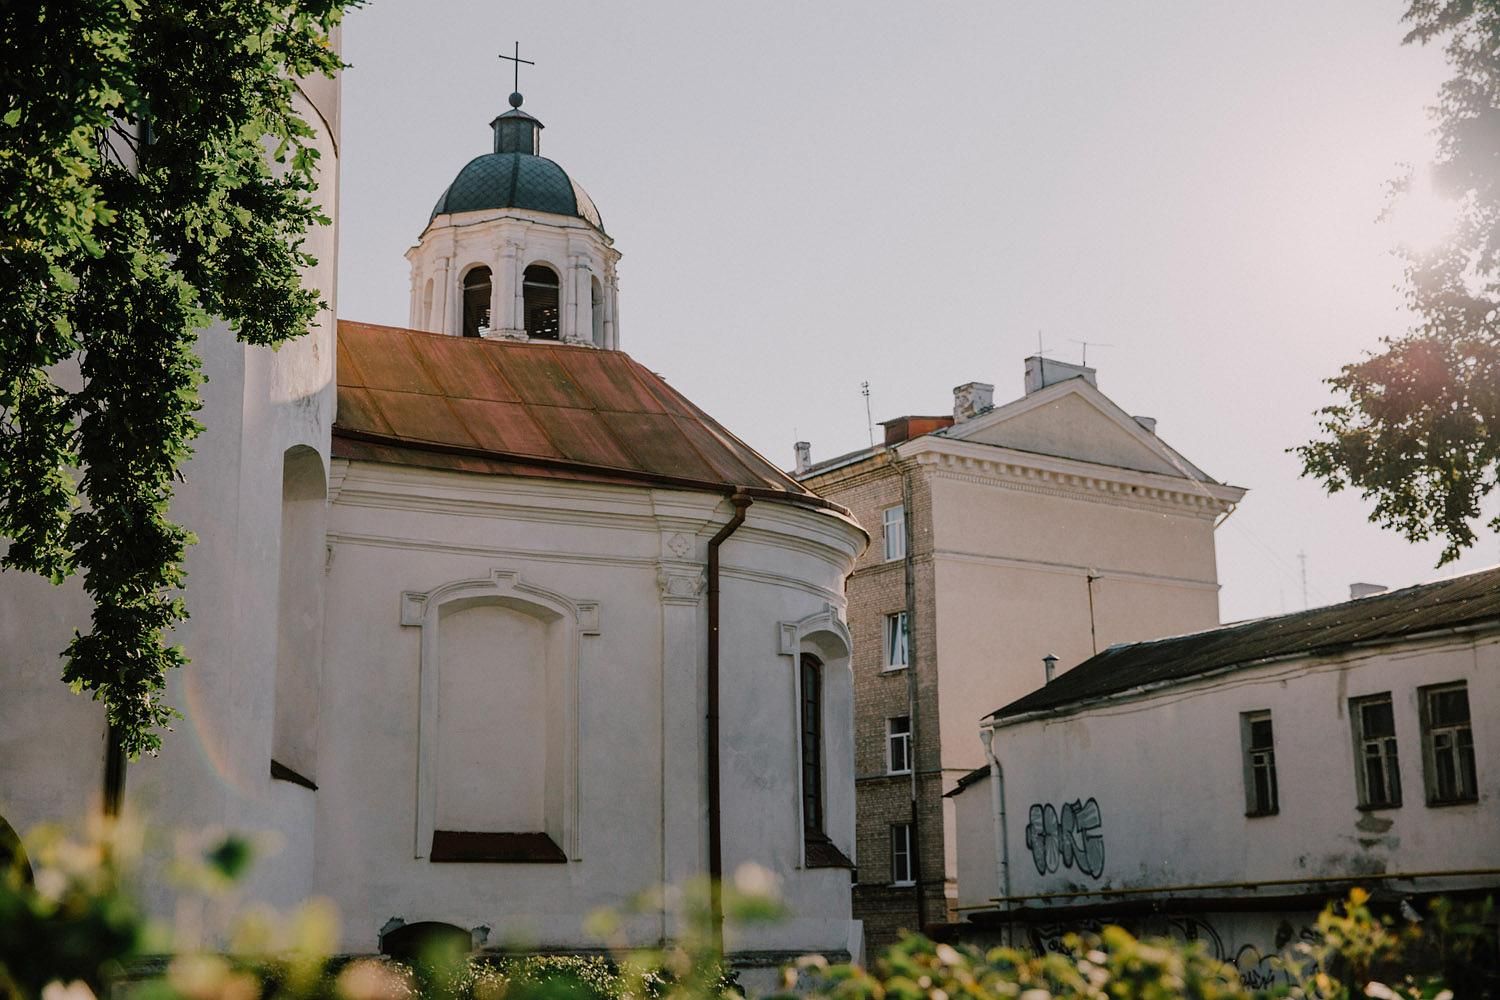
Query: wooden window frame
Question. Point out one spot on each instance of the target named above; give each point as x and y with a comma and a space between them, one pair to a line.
892, 738
1457, 747
893, 542
896, 639
901, 848
1385, 748
1258, 760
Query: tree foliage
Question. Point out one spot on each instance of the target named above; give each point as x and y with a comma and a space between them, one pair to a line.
155, 173
1417, 427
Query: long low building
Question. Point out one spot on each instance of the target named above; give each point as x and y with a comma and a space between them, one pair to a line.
1224, 785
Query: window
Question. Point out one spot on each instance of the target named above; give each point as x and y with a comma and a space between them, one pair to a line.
299, 617
895, 641
476, 301
1260, 764
1448, 745
1377, 769
898, 744
893, 520
902, 872
812, 746
539, 288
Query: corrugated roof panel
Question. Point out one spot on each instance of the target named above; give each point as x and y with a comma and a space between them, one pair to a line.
540, 377
660, 444
357, 410
582, 436
387, 359
1460, 601
419, 417
454, 369
533, 409
506, 427
611, 380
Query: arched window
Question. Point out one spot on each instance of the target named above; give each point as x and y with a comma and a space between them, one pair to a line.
596, 297
812, 746
476, 300
539, 285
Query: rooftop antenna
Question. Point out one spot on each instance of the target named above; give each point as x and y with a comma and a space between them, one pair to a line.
1302, 558
1086, 345
864, 390
515, 96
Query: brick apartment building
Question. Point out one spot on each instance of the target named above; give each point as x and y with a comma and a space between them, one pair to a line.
1052, 526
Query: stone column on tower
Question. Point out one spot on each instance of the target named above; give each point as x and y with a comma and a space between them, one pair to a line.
503, 293
442, 296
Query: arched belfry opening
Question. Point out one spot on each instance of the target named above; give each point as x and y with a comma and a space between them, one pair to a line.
476, 301
539, 288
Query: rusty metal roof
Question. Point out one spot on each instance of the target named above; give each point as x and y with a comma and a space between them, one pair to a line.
547, 410
1468, 600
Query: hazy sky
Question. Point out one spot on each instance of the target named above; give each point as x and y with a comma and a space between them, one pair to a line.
812, 195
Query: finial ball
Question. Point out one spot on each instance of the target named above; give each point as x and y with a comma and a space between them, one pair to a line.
515, 99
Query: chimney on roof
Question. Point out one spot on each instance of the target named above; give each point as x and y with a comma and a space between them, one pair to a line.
1147, 422
1042, 372
971, 399
1358, 590
804, 456
1049, 664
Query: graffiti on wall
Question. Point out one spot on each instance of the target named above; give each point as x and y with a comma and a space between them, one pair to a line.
1071, 836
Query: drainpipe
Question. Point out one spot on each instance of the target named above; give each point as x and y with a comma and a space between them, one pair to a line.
910, 570
997, 802
715, 833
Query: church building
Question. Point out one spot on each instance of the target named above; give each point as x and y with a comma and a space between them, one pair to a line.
491, 627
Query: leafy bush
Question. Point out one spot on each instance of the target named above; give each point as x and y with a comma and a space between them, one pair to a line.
74, 932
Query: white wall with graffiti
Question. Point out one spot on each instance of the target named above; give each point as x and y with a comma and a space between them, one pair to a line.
1373, 776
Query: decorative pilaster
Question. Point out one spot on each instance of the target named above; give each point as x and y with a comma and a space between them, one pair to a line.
506, 288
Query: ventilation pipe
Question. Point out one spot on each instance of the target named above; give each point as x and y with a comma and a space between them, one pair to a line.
804, 457
715, 820
1049, 663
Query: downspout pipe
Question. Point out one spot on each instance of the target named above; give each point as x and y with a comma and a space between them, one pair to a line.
997, 803
741, 501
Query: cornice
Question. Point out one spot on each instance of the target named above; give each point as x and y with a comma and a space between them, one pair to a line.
1033, 473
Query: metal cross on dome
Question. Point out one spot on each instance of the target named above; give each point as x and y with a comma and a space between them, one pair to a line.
518, 61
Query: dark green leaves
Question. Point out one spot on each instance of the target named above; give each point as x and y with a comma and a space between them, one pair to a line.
137, 202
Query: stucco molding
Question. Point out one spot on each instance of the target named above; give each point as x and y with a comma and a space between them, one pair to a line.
424, 610
680, 583
1115, 491
828, 620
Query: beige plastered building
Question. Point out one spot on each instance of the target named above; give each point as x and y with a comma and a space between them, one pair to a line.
1054, 525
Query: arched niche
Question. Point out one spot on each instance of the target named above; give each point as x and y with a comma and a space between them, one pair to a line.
299, 616
497, 723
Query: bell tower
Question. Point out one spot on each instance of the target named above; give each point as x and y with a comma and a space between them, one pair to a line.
515, 249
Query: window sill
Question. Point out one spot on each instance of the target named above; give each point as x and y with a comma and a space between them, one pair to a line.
493, 848
280, 772
894, 670
1262, 815
902, 885
819, 852
1445, 803
898, 774
1377, 806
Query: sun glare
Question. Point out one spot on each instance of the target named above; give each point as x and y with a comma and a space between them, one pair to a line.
1420, 217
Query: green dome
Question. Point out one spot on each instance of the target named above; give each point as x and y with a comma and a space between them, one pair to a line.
516, 180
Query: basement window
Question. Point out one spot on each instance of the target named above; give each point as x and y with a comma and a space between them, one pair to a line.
1448, 745
1376, 765
1261, 798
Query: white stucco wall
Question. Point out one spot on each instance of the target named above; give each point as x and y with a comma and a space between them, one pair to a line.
629, 561
1166, 774
213, 770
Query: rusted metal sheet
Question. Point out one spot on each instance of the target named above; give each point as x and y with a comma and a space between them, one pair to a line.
532, 409
1463, 601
